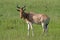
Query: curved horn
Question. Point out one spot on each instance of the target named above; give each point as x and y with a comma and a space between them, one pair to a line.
24, 6
18, 6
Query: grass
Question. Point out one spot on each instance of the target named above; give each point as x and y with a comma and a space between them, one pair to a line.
12, 27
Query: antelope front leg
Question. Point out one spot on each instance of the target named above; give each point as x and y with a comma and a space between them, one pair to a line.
28, 29
31, 29
30, 26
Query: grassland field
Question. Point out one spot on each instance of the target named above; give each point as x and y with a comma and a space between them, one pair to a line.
12, 27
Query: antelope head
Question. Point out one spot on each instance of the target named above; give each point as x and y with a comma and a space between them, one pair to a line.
21, 10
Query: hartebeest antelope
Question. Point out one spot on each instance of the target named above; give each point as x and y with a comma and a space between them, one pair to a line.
31, 18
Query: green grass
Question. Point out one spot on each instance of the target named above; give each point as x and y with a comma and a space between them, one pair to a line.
12, 27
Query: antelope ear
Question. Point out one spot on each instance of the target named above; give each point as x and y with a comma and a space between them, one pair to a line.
17, 9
